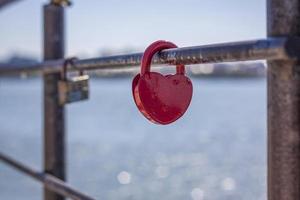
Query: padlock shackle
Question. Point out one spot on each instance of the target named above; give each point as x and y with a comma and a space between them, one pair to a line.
68, 61
152, 50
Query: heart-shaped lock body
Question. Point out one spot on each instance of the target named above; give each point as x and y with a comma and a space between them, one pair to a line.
161, 99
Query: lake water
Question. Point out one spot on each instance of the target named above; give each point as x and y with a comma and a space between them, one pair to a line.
216, 151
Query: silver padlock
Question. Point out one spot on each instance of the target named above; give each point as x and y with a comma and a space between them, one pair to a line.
72, 89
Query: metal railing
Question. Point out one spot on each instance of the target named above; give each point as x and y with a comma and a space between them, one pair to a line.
276, 48
50, 182
281, 50
4, 3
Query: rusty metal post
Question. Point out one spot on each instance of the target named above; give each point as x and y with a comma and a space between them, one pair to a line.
283, 107
54, 119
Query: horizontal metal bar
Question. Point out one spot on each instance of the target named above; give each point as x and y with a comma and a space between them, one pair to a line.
4, 3
50, 182
279, 48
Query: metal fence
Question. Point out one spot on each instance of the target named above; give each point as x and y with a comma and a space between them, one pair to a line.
281, 49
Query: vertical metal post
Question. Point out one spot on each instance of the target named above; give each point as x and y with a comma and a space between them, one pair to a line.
54, 119
283, 107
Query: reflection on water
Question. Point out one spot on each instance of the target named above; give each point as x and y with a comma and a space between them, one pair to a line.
216, 151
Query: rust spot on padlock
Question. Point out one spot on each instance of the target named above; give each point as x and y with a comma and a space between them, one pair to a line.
72, 89
161, 99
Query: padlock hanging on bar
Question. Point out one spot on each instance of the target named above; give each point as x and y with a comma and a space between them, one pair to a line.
72, 89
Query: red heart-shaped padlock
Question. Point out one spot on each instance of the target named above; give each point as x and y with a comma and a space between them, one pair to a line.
161, 99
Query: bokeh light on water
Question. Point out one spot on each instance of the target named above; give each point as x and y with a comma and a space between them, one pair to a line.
216, 151
124, 177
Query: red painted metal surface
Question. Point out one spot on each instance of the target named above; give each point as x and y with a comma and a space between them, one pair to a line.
161, 99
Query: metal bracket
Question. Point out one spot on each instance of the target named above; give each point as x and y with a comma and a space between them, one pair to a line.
61, 2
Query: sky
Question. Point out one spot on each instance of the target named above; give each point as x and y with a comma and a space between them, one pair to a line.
92, 25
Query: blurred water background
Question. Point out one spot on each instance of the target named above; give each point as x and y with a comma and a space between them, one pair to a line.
216, 151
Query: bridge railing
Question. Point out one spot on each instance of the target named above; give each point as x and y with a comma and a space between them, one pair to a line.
273, 48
